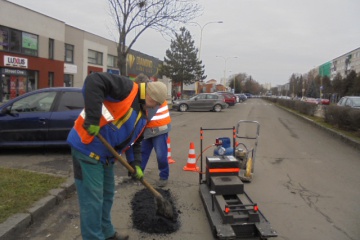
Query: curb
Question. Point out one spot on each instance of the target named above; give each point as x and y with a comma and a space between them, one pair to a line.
352, 142
20, 221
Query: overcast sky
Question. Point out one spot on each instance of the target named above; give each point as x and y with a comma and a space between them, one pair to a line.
271, 39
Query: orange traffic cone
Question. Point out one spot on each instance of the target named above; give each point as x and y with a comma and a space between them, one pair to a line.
191, 162
170, 160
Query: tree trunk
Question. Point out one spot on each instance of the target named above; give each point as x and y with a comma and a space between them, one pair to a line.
122, 61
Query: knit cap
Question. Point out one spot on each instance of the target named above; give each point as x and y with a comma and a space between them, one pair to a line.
157, 91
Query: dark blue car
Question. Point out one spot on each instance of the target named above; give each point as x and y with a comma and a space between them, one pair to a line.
42, 117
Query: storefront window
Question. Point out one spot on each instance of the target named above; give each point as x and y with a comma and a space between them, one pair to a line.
14, 86
32, 83
68, 80
16, 82
6, 88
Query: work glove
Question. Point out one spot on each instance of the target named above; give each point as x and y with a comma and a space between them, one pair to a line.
93, 130
138, 174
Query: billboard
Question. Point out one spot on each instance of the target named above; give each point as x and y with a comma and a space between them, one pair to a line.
138, 62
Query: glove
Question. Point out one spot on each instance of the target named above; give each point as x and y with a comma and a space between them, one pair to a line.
93, 130
138, 174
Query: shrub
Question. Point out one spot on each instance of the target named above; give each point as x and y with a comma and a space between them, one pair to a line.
343, 117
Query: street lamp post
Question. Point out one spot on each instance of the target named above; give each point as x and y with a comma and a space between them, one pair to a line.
225, 61
201, 32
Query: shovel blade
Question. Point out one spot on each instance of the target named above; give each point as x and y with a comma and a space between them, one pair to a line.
164, 208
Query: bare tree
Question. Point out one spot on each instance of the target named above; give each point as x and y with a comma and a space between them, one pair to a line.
134, 17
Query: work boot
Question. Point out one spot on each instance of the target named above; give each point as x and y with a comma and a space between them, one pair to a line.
119, 236
162, 182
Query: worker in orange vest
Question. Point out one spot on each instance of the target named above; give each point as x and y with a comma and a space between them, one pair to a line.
155, 137
116, 107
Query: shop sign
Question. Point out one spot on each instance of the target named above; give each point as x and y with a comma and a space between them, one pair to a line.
112, 71
141, 63
10, 71
10, 61
70, 68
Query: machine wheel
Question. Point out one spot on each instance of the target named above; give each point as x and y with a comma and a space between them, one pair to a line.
217, 108
183, 107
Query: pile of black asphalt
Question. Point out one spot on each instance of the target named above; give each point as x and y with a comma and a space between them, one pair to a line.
144, 214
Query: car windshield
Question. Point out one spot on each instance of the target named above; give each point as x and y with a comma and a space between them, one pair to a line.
35, 103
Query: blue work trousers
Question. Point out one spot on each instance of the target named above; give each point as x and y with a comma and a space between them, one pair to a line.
95, 188
159, 143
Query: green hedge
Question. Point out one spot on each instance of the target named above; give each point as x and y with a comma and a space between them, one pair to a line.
296, 105
343, 117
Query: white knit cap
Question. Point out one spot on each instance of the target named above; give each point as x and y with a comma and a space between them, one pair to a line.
157, 91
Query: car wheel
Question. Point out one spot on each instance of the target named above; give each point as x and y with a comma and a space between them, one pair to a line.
217, 108
183, 108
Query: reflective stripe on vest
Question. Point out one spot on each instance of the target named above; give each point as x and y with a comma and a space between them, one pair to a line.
161, 118
110, 111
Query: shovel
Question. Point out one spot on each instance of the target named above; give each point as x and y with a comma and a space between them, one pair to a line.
164, 208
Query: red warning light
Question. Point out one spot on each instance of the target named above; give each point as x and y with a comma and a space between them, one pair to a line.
256, 208
227, 209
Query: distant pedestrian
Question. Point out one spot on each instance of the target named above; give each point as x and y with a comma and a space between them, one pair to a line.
173, 95
178, 95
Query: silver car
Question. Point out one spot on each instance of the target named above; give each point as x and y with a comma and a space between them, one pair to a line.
201, 102
350, 101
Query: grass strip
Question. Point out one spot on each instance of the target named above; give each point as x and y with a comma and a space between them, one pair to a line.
20, 189
322, 122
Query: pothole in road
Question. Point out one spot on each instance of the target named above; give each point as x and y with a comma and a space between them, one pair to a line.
144, 215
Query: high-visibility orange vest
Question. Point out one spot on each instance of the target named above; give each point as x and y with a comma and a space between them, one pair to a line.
110, 112
161, 118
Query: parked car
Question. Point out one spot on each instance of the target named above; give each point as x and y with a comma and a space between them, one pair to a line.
309, 100
241, 97
248, 95
350, 101
230, 98
201, 102
42, 117
323, 101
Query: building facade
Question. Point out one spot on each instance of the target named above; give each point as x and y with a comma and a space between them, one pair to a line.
38, 51
341, 65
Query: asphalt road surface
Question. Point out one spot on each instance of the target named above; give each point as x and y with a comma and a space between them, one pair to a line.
306, 182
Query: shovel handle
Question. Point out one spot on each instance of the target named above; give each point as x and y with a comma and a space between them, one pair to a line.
129, 167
